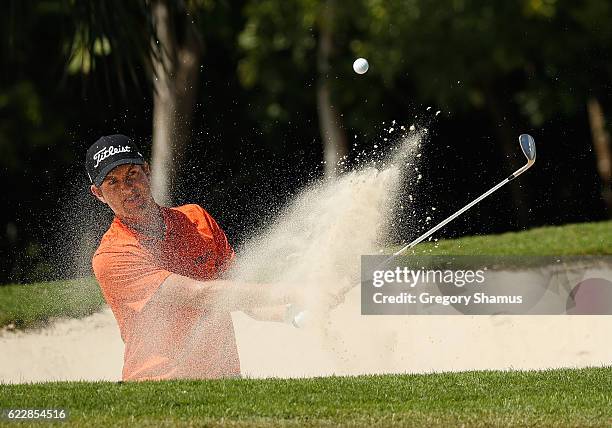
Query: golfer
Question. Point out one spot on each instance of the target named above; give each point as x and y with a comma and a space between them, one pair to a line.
160, 272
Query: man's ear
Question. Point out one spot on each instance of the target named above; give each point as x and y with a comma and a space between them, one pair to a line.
95, 190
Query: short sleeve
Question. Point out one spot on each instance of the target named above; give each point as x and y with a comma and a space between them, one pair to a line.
224, 251
127, 278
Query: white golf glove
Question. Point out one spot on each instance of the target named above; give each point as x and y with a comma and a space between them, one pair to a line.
296, 316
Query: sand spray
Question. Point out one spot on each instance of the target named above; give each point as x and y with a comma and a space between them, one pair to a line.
316, 243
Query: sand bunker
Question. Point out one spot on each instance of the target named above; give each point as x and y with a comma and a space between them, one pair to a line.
91, 348
88, 348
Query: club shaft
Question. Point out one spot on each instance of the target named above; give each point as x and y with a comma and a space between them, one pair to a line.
445, 221
461, 211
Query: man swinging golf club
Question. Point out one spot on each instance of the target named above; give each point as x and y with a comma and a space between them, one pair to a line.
160, 272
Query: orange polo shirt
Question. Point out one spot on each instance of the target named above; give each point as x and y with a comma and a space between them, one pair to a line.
163, 341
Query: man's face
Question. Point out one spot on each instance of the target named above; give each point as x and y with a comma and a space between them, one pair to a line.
127, 191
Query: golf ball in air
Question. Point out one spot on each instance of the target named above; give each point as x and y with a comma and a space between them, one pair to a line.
361, 65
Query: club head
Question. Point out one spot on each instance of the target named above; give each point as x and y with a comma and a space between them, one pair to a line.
528, 147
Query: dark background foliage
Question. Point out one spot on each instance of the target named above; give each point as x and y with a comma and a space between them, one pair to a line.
495, 70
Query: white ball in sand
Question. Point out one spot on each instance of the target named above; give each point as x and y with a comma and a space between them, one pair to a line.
361, 65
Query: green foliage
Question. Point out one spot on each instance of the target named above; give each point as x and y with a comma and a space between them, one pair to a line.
566, 397
81, 60
539, 59
458, 54
22, 103
31, 131
279, 43
128, 30
125, 29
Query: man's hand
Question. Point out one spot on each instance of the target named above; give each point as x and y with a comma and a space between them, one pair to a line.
311, 304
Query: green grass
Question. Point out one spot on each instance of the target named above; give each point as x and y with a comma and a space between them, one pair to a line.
567, 397
33, 305
571, 239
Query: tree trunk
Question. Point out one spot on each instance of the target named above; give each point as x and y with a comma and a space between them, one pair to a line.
330, 123
175, 83
601, 144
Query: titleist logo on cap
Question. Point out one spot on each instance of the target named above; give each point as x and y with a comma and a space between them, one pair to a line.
109, 151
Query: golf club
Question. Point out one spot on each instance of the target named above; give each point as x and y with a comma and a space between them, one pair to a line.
527, 144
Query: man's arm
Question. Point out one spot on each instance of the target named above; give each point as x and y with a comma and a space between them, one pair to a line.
224, 295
